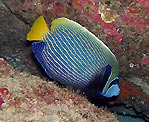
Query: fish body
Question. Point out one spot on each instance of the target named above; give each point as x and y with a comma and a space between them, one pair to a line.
73, 56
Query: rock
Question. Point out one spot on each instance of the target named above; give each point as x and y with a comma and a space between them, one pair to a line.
13, 45
33, 99
3, 7
133, 97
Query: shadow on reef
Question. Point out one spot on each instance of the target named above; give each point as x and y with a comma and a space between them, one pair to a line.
129, 107
102, 101
132, 102
120, 108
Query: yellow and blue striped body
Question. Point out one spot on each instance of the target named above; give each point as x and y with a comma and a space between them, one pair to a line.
73, 56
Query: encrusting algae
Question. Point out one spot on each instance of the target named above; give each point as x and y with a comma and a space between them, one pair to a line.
30, 98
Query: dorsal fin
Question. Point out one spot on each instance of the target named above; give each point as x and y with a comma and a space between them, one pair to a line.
65, 22
38, 30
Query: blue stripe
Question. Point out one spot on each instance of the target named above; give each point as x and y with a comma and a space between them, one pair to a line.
84, 75
70, 49
60, 39
77, 53
75, 56
82, 47
58, 73
95, 45
52, 49
92, 59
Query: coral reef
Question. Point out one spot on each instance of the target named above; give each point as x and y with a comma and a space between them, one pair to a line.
122, 25
132, 96
27, 98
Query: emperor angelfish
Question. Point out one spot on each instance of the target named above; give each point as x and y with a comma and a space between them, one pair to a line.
73, 56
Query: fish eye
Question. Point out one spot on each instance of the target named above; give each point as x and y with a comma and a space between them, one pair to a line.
115, 81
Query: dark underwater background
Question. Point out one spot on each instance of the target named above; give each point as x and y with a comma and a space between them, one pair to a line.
123, 25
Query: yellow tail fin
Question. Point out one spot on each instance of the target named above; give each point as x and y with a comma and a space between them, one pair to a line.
38, 29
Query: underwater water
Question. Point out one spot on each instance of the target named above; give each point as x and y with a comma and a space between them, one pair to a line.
121, 25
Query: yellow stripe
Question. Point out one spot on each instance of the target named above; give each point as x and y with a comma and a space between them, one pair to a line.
100, 54
59, 60
87, 55
89, 73
68, 77
68, 58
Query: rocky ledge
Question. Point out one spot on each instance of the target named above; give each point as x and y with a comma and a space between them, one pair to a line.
28, 98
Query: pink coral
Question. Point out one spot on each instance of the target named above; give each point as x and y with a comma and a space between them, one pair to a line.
113, 30
129, 90
1, 101
145, 60
134, 10
58, 9
133, 21
29, 4
146, 11
110, 29
4, 91
144, 3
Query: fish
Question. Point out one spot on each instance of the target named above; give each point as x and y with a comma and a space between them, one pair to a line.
73, 56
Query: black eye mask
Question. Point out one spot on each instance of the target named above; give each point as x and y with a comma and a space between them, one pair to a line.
103, 77
98, 84
115, 81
